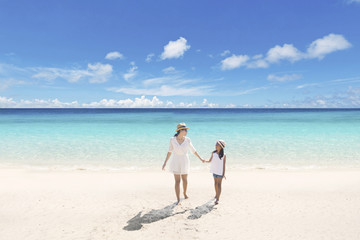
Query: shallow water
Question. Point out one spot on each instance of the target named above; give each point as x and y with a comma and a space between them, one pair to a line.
139, 138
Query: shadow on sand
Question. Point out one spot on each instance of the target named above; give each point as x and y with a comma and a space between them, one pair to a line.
199, 211
136, 222
155, 215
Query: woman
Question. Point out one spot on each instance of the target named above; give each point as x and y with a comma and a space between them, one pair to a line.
179, 166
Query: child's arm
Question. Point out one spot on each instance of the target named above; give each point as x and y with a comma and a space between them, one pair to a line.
224, 167
210, 158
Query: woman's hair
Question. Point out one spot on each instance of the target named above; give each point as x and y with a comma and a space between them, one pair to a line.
221, 153
177, 133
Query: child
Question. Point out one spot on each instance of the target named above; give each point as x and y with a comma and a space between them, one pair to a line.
218, 160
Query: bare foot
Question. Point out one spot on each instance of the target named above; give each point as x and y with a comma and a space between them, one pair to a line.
186, 196
178, 203
216, 202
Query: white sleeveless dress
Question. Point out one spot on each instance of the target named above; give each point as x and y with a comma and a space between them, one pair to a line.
180, 162
217, 164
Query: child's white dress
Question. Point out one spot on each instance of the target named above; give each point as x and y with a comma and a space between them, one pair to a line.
180, 162
217, 164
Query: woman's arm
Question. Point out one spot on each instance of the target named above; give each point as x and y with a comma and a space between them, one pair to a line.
171, 148
167, 158
224, 167
193, 150
196, 154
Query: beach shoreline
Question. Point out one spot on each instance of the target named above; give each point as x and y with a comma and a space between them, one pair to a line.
257, 204
197, 168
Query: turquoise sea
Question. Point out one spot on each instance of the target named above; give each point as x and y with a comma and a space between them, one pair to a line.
132, 139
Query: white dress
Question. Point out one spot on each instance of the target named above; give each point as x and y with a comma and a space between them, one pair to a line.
180, 162
217, 164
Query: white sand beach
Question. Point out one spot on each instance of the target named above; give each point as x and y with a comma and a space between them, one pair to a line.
261, 204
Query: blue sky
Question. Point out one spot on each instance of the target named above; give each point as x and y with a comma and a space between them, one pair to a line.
180, 53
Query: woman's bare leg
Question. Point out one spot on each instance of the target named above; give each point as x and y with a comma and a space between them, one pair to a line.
177, 187
184, 179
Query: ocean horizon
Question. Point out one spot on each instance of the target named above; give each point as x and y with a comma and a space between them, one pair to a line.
138, 138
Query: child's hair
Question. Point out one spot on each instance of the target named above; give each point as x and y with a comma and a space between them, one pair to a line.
221, 153
177, 133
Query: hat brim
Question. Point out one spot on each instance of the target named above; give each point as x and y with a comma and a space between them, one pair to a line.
181, 128
220, 144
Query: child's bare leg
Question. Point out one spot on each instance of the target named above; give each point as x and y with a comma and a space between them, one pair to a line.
184, 179
219, 180
216, 188
177, 187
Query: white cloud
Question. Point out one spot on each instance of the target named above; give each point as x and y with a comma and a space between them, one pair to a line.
55, 103
141, 102
186, 105
169, 70
99, 73
11, 75
131, 72
353, 1
8, 70
95, 73
167, 85
7, 82
342, 99
155, 81
317, 49
258, 56
234, 62
36, 103
321, 102
331, 82
165, 90
355, 91
149, 57
6, 102
283, 78
260, 63
177, 81
248, 91
176, 85
174, 80
50, 74
175, 49
230, 105
206, 104
328, 44
287, 52
349, 98
307, 85
114, 55
224, 53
